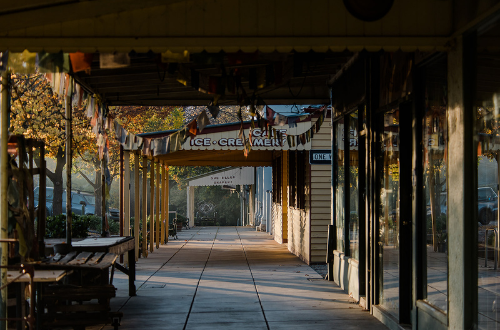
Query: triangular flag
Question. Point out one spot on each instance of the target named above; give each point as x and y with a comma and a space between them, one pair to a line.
202, 120
193, 130
114, 61
81, 61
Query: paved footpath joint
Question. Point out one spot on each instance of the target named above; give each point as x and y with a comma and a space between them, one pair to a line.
232, 278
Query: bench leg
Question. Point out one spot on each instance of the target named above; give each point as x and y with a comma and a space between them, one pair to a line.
131, 274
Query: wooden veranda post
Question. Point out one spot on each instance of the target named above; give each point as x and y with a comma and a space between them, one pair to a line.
4, 207
152, 206
167, 193
137, 205
104, 231
144, 206
284, 198
163, 207
69, 160
126, 197
157, 205
126, 194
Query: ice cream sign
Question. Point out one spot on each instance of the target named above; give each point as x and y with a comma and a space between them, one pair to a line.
230, 140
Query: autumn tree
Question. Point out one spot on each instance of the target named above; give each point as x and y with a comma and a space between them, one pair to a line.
38, 113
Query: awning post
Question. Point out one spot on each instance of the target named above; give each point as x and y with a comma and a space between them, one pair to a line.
4, 206
152, 205
144, 206
157, 206
69, 159
137, 199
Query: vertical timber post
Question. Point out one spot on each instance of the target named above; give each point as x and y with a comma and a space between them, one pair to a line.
69, 160
126, 194
144, 206
163, 207
104, 229
462, 186
4, 207
126, 197
190, 210
152, 205
122, 188
157, 206
167, 209
284, 199
137, 205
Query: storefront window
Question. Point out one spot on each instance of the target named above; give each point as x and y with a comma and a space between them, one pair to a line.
354, 186
340, 187
389, 213
488, 156
434, 193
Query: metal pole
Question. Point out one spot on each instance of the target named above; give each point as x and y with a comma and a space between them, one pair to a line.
4, 207
69, 160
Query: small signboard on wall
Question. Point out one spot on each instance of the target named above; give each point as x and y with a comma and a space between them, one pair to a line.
320, 157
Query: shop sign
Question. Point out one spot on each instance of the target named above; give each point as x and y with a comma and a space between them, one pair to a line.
232, 177
320, 157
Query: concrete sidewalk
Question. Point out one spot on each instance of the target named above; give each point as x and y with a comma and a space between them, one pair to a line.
232, 278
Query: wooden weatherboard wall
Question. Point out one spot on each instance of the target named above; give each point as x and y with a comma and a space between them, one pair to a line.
320, 189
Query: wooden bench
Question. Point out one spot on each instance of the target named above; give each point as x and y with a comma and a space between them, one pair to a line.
79, 306
85, 299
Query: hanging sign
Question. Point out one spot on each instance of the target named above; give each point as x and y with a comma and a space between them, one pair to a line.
320, 157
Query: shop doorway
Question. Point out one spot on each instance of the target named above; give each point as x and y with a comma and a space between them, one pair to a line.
395, 212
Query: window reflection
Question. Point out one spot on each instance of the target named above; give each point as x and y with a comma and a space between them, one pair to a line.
488, 128
435, 137
340, 187
354, 186
389, 213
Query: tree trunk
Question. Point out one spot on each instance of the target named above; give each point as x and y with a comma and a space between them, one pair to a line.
57, 179
97, 188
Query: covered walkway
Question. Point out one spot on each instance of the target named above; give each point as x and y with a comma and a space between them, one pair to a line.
232, 278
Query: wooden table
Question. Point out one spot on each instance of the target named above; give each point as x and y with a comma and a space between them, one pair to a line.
39, 277
116, 245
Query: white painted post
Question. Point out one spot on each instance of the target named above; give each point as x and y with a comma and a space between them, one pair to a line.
190, 209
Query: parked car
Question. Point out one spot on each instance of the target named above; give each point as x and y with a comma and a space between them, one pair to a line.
113, 215
78, 201
487, 205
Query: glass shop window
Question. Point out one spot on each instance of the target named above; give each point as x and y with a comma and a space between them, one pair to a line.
435, 137
488, 160
340, 185
354, 215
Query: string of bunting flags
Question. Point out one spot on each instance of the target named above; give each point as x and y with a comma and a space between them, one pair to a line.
174, 142
56, 65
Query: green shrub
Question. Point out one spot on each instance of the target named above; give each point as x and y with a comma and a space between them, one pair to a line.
55, 226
